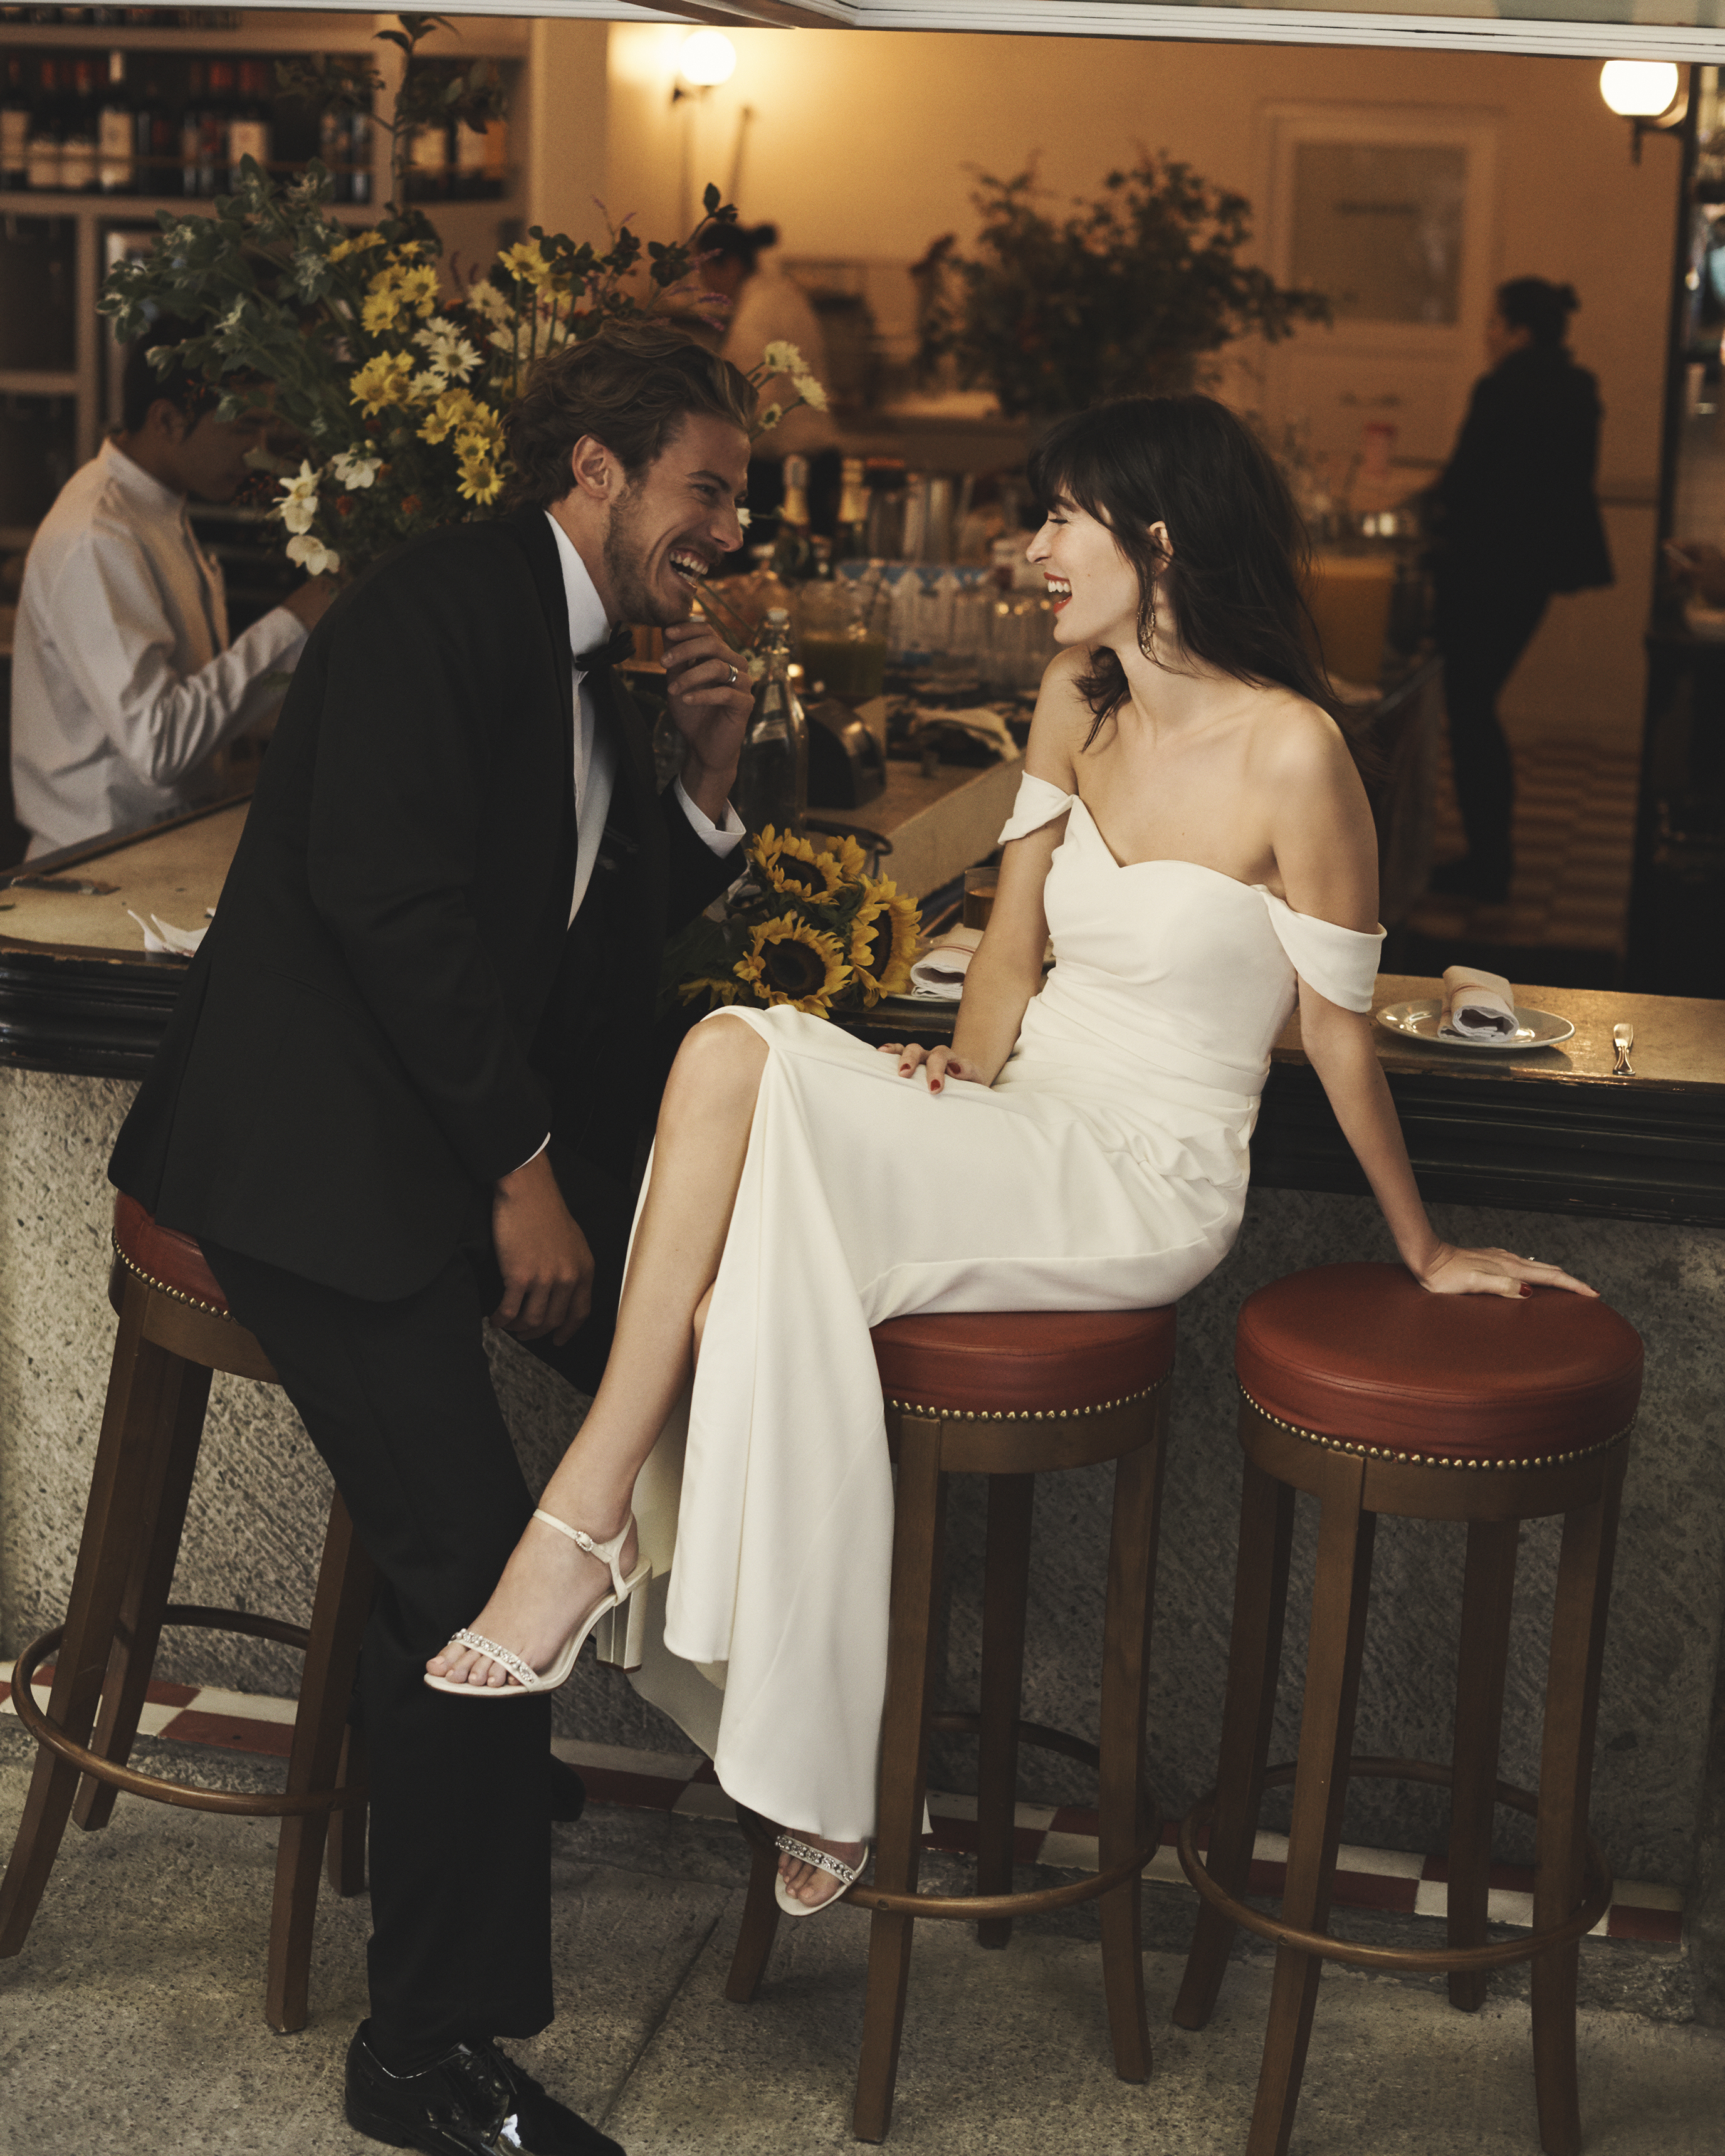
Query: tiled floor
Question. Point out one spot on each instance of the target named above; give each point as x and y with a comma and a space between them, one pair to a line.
1575, 810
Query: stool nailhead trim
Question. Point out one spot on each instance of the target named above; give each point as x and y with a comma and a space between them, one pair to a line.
1027, 1414
162, 1287
1432, 1459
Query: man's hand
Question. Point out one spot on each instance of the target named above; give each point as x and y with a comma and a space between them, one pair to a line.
313, 599
546, 1266
710, 696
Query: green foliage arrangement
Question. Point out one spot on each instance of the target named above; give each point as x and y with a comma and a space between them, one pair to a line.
1125, 296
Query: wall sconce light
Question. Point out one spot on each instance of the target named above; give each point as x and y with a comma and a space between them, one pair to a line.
1648, 93
704, 59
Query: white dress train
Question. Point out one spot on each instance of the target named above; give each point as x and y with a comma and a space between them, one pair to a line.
1105, 1170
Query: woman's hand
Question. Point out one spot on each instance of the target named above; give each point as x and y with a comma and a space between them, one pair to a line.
1450, 1271
940, 1065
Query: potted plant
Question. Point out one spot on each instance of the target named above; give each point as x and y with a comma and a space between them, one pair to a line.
1127, 293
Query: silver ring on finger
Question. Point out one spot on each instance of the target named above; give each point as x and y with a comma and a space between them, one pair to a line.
732, 684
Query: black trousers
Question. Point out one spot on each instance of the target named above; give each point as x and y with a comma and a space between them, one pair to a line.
398, 1398
1483, 630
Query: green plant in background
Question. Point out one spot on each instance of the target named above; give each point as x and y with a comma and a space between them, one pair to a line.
1127, 295
426, 95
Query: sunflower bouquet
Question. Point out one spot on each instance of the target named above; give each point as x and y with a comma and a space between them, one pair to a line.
807, 928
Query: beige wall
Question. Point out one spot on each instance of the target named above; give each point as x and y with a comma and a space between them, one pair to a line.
865, 146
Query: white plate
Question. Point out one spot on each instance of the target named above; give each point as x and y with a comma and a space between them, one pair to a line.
1418, 1021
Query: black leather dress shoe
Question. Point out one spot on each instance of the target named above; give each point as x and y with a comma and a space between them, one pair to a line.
568, 1792
471, 2102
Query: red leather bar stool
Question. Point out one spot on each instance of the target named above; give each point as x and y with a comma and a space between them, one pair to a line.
1010, 1396
1373, 1397
175, 1330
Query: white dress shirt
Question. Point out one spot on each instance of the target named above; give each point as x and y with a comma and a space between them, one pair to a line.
123, 680
596, 754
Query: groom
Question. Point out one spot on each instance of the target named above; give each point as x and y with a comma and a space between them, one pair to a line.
394, 1097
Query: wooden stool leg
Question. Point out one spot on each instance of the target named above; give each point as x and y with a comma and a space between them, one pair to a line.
1340, 1594
159, 1523
1566, 1767
1261, 1597
343, 1602
1006, 1591
344, 1852
916, 1543
1481, 1665
144, 1390
1123, 1807
760, 1910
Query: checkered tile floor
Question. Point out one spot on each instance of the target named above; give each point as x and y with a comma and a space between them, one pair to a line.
1574, 833
684, 1783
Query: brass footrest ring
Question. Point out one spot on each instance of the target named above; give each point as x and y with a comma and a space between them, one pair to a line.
1597, 1886
244, 1803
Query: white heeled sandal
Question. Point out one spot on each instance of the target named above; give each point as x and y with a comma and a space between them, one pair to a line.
823, 1859
618, 1621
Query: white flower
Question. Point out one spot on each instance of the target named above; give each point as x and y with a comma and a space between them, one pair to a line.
312, 556
450, 352
484, 298
501, 340
768, 419
744, 518
354, 469
781, 358
231, 320
810, 391
298, 505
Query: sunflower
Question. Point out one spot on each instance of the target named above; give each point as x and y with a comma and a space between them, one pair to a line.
790, 864
789, 963
883, 938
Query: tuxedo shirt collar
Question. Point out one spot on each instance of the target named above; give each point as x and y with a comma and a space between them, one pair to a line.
587, 625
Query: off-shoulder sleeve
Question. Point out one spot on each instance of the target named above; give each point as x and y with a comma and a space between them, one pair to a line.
1341, 963
1037, 802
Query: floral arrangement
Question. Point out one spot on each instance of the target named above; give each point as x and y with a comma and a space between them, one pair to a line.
1127, 295
807, 928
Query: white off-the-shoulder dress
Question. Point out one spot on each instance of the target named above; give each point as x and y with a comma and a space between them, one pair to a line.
1105, 1170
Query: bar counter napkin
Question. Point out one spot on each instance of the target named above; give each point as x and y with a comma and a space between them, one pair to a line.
939, 971
1477, 1005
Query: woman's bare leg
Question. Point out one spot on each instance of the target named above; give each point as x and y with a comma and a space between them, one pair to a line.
549, 1584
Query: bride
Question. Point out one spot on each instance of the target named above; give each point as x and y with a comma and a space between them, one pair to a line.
1193, 834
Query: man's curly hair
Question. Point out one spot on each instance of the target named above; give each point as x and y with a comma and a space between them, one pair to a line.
631, 386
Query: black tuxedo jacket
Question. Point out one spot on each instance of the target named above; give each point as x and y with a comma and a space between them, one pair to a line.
390, 1009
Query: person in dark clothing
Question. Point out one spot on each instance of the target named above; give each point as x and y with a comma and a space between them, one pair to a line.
1515, 521
395, 1091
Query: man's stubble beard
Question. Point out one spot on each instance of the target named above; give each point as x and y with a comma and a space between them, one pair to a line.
625, 557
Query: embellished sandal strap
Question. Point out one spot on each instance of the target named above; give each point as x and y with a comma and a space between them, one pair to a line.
523, 1672
607, 1553
823, 1859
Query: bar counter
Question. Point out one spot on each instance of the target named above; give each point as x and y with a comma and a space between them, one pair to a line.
1620, 1180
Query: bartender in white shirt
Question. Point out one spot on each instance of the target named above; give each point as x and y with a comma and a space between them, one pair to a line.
123, 677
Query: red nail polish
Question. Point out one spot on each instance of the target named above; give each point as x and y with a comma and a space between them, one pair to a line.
1527, 1287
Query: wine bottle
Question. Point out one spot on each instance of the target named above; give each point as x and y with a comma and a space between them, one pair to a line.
78, 142
772, 773
155, 144
213, 122
191, 129
116, 146
14, 130
249, 134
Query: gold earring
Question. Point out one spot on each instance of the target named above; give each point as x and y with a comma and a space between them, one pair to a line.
1148, 650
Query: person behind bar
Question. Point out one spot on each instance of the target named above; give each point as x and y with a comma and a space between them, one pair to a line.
123, 677
440, 941
1517, 520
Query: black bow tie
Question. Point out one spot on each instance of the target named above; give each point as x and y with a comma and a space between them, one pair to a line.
601, 656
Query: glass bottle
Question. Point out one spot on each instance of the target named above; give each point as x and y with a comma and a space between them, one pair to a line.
41, 142
191, 128
772, 775
214, 121
249, 130
792, 558
155, 144
851, 543
14, 129
78, 144
117, 158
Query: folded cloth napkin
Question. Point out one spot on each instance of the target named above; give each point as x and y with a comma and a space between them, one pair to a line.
1477, 1005
163, 940
939, 971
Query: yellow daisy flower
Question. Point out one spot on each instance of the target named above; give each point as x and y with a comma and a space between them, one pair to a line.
383, 380
453, 411
883, 941
480, 481
382, 302
526, 260
790, 864
357, 245
788, 962
419, 288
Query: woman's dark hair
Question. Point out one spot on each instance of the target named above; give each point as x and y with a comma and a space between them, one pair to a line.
630, 385
1529, 302
1233, 582
142, 385
736, 243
